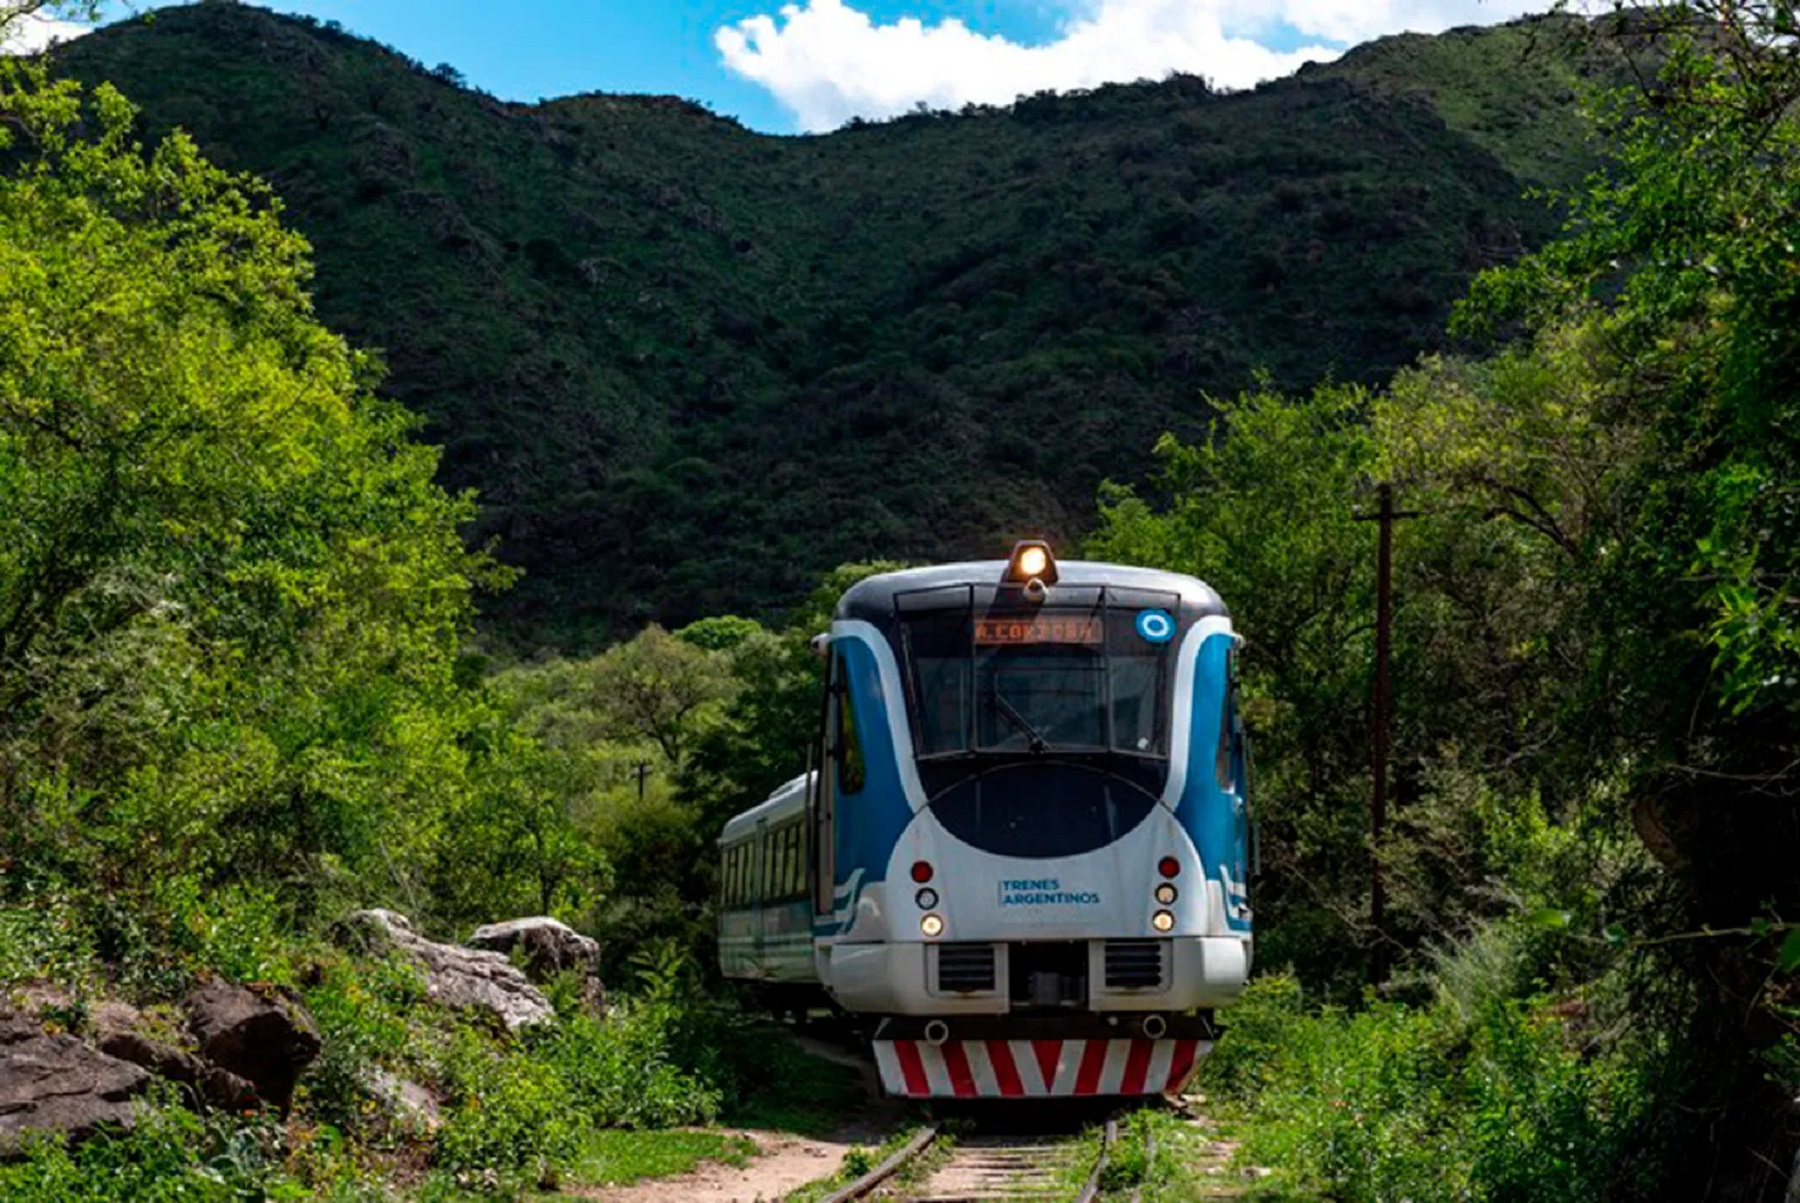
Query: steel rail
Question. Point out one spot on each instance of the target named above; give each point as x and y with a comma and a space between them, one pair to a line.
887, 1169
1108, 1139
1137, 1192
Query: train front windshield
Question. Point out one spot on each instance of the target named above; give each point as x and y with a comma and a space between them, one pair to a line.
1009, 678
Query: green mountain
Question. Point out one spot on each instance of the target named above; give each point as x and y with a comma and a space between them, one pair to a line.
689, 367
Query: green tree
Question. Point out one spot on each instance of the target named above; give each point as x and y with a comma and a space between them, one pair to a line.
1264, 511
1643, 441
231, 596
1676, 282
658, 689
772, 722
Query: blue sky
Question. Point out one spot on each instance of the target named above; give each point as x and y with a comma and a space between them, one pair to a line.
788, 66
544, 48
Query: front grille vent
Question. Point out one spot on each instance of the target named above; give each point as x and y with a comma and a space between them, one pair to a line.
1134, 964
965, 968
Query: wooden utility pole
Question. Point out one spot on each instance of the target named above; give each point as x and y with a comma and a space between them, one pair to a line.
1381, 719
642, 769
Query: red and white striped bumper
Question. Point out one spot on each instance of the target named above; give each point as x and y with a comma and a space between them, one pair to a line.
1013, 1069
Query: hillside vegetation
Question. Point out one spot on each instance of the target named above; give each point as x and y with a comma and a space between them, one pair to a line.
238, 704
689, 368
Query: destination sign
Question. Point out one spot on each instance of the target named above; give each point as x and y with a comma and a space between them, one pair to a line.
1040, 629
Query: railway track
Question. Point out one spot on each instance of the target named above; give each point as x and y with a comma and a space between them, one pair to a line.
991, 1166
1045, 1151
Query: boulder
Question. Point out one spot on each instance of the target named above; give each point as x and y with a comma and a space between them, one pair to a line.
261, 1038
121, 1030
57, 1084
208, 1083
463, 978
548, 946
408, 1106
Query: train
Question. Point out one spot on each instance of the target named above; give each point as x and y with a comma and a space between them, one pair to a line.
1022, 857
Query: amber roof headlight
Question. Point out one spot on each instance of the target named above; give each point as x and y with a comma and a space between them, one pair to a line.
1031, 561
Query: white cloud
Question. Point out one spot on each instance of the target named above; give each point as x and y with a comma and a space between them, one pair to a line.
827, 61
33, 32
1351, 21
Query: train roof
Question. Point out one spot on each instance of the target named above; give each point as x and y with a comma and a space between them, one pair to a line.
788, 800
872, 599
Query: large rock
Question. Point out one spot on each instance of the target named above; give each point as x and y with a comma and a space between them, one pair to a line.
408, 1106
549, 947
123, 1031
263, 1039
464, 978
57, 1084
206, 1083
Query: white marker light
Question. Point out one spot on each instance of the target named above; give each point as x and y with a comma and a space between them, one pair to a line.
932, 925
1163, 921
1166, 894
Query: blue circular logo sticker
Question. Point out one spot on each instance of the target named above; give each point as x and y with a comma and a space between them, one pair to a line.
1155, 626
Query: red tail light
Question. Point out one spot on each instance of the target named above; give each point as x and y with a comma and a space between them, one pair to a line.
921, 871
1168, 866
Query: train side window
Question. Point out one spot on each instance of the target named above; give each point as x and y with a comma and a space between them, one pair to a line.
1225, 761
787, 863
851, 771
790, 883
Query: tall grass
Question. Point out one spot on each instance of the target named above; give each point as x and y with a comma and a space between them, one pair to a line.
1478, 1094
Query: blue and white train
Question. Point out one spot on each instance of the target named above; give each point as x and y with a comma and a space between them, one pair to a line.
1024, 855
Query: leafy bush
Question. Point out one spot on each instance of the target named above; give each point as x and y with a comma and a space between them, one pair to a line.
510, 1113
172, 1154
1396, 1102
367, 1016
45, 939
626, 1072
525, 1107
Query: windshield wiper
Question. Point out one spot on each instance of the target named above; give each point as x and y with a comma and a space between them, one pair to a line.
1005, 707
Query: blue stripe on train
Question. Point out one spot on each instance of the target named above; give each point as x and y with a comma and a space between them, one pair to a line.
869, 822
1207, 811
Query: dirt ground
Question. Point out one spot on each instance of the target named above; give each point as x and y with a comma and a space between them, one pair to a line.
787, 1163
